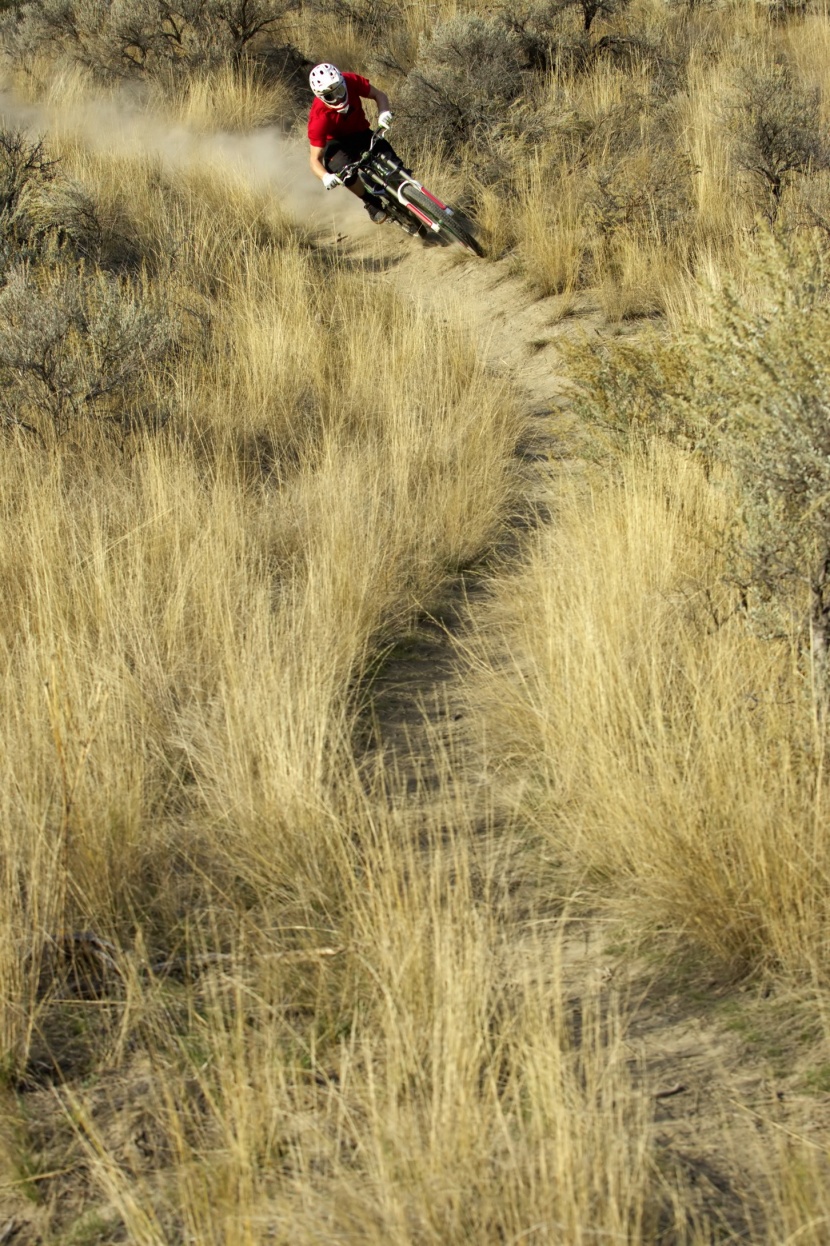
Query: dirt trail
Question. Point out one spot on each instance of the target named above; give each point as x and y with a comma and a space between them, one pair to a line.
420, 690
718, 1059
418, 693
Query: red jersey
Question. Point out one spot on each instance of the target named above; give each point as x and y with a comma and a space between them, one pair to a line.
324, 123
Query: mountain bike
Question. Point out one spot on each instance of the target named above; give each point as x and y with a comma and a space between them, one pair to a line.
406, 200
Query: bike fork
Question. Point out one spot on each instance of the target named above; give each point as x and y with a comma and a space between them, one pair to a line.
421, 215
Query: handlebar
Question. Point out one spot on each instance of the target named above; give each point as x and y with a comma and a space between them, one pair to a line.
352, 168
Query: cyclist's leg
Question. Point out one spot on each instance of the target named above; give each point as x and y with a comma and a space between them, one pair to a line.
338, 152
343, 151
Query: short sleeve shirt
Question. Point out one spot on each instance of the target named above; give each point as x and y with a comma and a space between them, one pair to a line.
325, 124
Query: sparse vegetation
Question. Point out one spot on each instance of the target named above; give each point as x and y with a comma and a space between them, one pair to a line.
263, 977
778, 130
73, 349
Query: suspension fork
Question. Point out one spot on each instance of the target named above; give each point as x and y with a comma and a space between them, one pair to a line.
421, 215
394, 183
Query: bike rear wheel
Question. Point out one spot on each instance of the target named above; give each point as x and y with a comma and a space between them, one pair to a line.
452, 227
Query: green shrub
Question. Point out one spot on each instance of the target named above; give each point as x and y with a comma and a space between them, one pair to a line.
632, 391
750, 391
762, 384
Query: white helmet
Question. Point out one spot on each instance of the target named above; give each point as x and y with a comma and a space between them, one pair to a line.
329, 85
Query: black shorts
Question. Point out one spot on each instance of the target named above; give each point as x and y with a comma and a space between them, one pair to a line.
338, 152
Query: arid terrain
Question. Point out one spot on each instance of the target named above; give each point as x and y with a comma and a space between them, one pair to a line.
415, 666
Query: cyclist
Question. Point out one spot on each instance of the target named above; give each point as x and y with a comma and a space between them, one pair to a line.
338, 131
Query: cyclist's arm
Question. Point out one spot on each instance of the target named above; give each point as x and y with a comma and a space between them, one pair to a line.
380, 98
316, 162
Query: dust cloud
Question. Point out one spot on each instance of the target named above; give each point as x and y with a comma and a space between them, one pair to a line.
266, 159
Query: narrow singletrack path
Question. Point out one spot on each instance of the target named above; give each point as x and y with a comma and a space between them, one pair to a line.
723, 1102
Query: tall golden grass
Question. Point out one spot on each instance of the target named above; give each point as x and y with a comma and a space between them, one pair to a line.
452, 1102
677, 761
340, 1035
339, 1009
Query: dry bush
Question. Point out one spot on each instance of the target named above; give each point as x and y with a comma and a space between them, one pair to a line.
25, 172
379, 39
129, 37
749, 389
665, 155
467, 74
777, 128
74, 348
22, 162
635, 275
630, 391
592, 9
772, 413
49, 217
604, 194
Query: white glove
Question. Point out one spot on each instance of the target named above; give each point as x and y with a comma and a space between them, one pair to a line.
384, 119
330, 180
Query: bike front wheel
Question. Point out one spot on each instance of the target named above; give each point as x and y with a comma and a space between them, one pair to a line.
450, 226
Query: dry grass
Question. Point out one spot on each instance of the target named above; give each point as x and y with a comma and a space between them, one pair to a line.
454, 1107
234, 100
678, 761
337, 1016
226, 99
363, 1053
354, 37
670, 766
333, 486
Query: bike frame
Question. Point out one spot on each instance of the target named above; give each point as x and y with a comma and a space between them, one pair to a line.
403, 179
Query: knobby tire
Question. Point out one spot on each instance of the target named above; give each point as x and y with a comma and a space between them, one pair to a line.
451, 227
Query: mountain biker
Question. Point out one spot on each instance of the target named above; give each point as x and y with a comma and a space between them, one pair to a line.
338, 131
